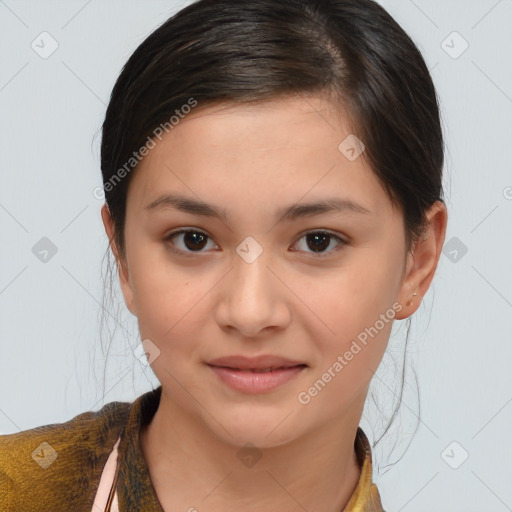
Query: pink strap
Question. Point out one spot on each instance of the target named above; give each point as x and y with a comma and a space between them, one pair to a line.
106, 480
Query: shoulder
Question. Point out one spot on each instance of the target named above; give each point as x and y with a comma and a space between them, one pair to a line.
47, 466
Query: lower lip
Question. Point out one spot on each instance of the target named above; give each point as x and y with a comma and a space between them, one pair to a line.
256, 382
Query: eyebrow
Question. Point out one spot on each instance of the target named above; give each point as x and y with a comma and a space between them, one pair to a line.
192, 206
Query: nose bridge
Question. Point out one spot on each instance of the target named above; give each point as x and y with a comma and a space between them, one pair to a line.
251, 275
250, 300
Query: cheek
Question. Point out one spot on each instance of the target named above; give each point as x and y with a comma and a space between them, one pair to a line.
352, 318
168, 310
349, 299
166, 299
347, 363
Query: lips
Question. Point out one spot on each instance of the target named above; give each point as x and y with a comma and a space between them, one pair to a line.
264, 370
256, 375
260, 364
257, 381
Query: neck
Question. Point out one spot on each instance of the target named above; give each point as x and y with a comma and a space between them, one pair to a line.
188, 463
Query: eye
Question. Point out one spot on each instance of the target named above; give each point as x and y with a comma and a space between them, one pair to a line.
318, 241
192, 240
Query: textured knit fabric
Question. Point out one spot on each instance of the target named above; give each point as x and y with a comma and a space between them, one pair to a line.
58, 467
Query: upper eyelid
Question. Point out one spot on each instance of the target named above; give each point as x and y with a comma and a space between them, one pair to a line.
304, 233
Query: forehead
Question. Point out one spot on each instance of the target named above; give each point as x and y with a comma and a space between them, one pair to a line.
276, 150
265, 125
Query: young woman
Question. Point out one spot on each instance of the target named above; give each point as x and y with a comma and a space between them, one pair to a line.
273, 182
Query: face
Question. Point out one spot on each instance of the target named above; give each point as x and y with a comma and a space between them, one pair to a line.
318, 286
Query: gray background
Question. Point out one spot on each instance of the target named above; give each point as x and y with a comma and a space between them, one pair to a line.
51, 362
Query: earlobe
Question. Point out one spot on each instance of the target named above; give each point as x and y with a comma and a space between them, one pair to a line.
124, 276
422, 261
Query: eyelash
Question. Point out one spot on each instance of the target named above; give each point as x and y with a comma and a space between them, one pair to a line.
324, 254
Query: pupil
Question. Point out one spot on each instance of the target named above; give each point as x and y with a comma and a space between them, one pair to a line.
195, 238
318, 243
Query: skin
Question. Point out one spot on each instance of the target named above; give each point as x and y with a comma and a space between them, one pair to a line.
253, 161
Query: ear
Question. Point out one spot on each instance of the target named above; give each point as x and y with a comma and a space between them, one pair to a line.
122, 265
422, 261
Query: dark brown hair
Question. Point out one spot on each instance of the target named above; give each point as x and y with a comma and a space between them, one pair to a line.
239, 51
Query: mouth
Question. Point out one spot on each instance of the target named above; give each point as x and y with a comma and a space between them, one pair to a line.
259, 370
262, 363
257, 380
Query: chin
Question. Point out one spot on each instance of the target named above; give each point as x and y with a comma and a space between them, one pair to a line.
260, 428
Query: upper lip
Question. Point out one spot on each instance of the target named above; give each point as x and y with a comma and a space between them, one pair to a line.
255, 363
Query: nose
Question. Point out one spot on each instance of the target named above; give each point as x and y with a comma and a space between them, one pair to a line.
253, 298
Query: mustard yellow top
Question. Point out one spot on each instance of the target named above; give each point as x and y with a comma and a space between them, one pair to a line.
58, 467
